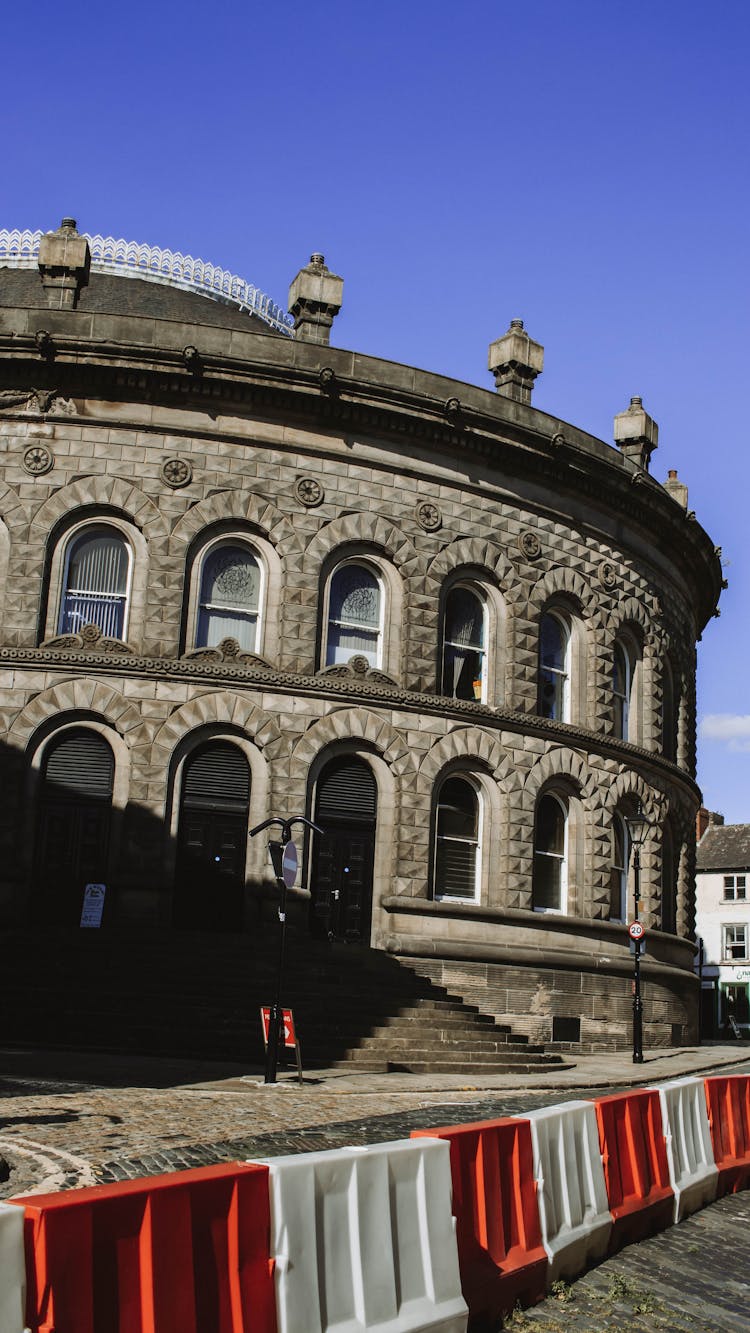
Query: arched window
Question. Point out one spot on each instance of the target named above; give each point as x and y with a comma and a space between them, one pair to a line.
464, 670
355, 615
550, 881
554, 668
97, 577
230, 597
626, 661
457, 840
212, 838
618, 893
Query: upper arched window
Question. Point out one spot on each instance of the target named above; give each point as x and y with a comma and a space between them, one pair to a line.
457, 840
554, 668
626, 660
355, 615
464, 668
550, 879
97, 583
230, 597
618, 893
668, 712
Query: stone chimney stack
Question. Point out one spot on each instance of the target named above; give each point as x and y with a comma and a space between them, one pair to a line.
677, 489
515, 360
315, 300
706, 819
636, 433
64, 262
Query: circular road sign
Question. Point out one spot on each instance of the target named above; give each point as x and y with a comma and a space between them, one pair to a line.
289, 865
636, 930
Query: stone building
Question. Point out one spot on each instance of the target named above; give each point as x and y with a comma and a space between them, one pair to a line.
245, 573
722, 922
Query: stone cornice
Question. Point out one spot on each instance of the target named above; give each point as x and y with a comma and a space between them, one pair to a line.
350, 688
276, 378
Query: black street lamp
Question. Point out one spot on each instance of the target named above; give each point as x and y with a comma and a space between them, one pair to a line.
638, 827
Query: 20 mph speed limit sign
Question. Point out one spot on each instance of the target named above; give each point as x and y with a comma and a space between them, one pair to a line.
636, 930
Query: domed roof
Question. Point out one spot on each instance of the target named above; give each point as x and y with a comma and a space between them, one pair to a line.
162, 284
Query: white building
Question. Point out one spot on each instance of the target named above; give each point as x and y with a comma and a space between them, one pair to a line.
722, 921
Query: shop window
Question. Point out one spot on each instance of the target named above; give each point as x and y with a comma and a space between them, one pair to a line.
550, 878
464, 669
457, 840
355, 615
230, 597
96, 583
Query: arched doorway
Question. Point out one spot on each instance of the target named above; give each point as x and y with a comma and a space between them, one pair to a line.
75, 810
342, 864
212, 839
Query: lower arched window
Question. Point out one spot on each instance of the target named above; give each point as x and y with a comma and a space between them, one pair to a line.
230, 598
74, 820
97, 571
464, 658
355, 610
457, 840
550, 876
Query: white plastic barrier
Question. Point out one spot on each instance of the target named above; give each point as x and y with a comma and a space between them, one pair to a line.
693, 1172
571, 1191
12, 1270
364, 1239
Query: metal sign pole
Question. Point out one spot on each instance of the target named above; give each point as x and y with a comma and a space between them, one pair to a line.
637, 1000
285, 869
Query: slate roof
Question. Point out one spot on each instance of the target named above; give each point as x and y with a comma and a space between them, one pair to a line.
724, 847
112, 295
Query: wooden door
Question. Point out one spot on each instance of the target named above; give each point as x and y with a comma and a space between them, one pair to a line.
343, 857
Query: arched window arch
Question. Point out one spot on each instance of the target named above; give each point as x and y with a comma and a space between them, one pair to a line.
230, 597
354, 614
96, 582
464, 640
458, 840
550, 874
618, 892
553, 699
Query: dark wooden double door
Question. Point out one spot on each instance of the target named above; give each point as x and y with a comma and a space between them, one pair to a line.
212, 840
73, 830
343, 857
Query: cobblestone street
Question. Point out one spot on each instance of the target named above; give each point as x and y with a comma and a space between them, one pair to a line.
69, 1121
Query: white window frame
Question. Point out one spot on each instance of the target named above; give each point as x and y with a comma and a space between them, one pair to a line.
735, 883
624, 871
452, 897
562, 686
371, 568
563, 859
236, 542
739, 929
74, 538
476, 592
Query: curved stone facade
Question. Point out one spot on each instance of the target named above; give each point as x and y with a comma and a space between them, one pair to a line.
314, 459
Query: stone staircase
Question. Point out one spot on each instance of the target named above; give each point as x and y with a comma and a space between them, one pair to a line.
192, 995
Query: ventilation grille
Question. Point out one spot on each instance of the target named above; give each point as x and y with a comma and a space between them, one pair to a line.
218, 778
81, 764
347, 790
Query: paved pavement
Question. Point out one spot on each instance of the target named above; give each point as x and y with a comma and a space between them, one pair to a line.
70, 1119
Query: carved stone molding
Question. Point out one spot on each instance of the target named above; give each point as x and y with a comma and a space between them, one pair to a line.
608, 575
228, 650
429, 516
176, 472
529, 544
89, 639
359, 667
309, 491
38, 459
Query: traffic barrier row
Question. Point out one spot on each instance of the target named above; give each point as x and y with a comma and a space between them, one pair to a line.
433, 1234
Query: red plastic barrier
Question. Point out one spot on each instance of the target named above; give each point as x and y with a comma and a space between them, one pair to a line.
180, 1253
728, 1105
636, 1171
500, 1252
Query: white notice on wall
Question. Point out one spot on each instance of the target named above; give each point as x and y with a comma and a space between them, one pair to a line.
93, 904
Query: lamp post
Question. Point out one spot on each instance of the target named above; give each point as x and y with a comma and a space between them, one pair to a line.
637, 828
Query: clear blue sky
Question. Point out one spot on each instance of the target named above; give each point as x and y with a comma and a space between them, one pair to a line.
580, 164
